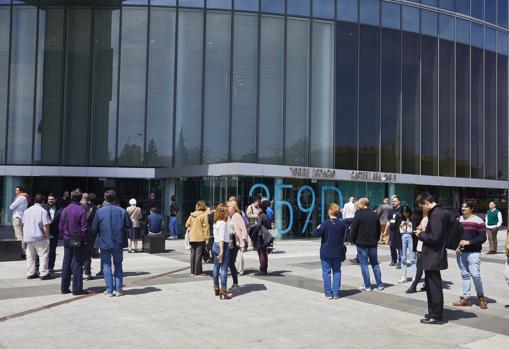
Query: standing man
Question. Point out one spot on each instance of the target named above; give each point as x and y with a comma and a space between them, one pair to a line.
18, 206
348, 217
88, 205
110, 227
36, 237
434, 256
365, 234
66, 199
252, 211
493, 224
172, 219
384, 212
54, 233
74, 228
394, 215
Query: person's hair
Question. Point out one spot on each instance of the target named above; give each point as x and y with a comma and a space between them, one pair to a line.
264, 204
232, 198
21, 188
173, 198
423, 197
132, 202
92, 197
38, 198
153, 210
492, 202
469, 204
396, 197
256, 198
221, 213
363, 201
201, 206
334, 209
110, 196
76, 195
52, 195
235, 205
406, 208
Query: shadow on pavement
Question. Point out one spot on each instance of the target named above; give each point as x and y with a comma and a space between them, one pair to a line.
248, 288
452, 315
137, 291
135, 273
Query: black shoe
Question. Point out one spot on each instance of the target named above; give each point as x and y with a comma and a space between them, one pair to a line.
411, 290
398, 266
80, 293
432, 321
46, 277
427, 316
99, 274
392, 264
506, 306
90, 277
424, 289
65, 291
33, 276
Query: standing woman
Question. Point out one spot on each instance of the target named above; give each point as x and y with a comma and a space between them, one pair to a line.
332, 250
199, 233
263, 221
221, 251
405, 240
418, 275
134, 213
238, 237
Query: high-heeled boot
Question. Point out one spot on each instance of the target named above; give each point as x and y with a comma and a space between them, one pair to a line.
223, 293
216, 291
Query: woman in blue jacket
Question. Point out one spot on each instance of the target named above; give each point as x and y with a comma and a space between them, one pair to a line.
332, 250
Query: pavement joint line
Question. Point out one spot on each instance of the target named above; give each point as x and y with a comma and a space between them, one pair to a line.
74, 299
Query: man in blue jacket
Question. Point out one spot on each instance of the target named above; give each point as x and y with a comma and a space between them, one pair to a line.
110, 227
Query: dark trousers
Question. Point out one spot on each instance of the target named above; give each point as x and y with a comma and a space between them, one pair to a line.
53, 243
435, 294
418, 273
87, 263
233, 268
263, 256
196, 257
72, 265
395, 257
348, 229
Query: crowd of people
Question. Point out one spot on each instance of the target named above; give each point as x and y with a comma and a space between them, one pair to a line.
418, 241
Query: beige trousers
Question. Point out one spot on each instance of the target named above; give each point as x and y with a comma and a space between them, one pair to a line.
41, 249
491, 234
18, 232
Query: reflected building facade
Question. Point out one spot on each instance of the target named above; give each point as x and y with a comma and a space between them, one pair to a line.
206, 98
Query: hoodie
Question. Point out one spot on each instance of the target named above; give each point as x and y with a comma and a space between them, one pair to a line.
198, 226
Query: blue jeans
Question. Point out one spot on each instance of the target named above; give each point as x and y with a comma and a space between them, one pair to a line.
172, 226
118, 256
220, 269
72, 265
335, 265
408, 244
371, 253
470, 267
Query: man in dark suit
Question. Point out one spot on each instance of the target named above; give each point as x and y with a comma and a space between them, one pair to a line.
434, 255
54, 234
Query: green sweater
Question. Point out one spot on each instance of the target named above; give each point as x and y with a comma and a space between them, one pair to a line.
492, 217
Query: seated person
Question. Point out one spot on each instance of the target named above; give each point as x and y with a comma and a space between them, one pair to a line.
154, 222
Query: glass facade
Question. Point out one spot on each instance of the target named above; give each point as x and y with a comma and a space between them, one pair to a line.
413, 88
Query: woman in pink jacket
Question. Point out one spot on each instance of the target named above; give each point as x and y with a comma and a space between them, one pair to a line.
239, 238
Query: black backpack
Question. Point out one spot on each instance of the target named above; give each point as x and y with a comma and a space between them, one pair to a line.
454, 234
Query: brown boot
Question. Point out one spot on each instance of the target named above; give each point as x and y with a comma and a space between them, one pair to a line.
463, 302
483, 304
223, 293
216, 291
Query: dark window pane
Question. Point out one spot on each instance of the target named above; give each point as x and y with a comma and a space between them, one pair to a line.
323, 8
79, 22
217, 88
430, 2
5, 14
298, 7
490, 39
490, 112
47, 142
159, 151
429, 106
189, 88
391, 15
490, 11
477, 8
369, 98
244, 88
104, 86
446, 111
477, 115
297, 93
447, 4
226, 4
502, 112
247, 5
502, 13
429, 23
411, 19
462, 110
462, 31
347, 10
391, 100
191, 3
273, 6
322, 87
477, 35
463, 6
271, 89
346, 96
411, 103
131, 120
502, 43
370, 12
21, 112
446, 27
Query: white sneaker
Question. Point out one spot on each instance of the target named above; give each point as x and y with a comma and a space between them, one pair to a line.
402, 280
118, 294
108, 294
364, 289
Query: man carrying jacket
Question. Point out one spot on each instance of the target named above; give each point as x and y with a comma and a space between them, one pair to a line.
434, 256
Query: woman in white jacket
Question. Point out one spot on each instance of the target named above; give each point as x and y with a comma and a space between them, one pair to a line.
238, 236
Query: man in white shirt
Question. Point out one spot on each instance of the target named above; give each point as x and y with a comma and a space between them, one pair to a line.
36, 223
18, 206
348, 215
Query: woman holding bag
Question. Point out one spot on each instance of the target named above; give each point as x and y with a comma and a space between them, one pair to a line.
238, 238
199, 233
260, 245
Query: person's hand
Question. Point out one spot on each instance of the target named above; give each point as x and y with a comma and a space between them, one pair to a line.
418, 232
458, 250
464, 243
220, 258
318, 226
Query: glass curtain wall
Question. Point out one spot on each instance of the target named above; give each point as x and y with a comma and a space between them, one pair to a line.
477, 101
490, 106
502, 108
5, 26
463, 121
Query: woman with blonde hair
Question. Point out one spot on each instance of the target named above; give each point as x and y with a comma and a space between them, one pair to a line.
134, 213
199, 233
238, 238
221, 251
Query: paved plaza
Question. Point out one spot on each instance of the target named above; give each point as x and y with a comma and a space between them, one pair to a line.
165, 307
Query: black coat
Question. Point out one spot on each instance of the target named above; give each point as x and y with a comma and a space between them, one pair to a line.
365, 228
434, 255
397, 235
54, 229
256, 230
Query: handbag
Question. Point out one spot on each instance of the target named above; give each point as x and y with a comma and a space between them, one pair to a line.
75, 240
266, 236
